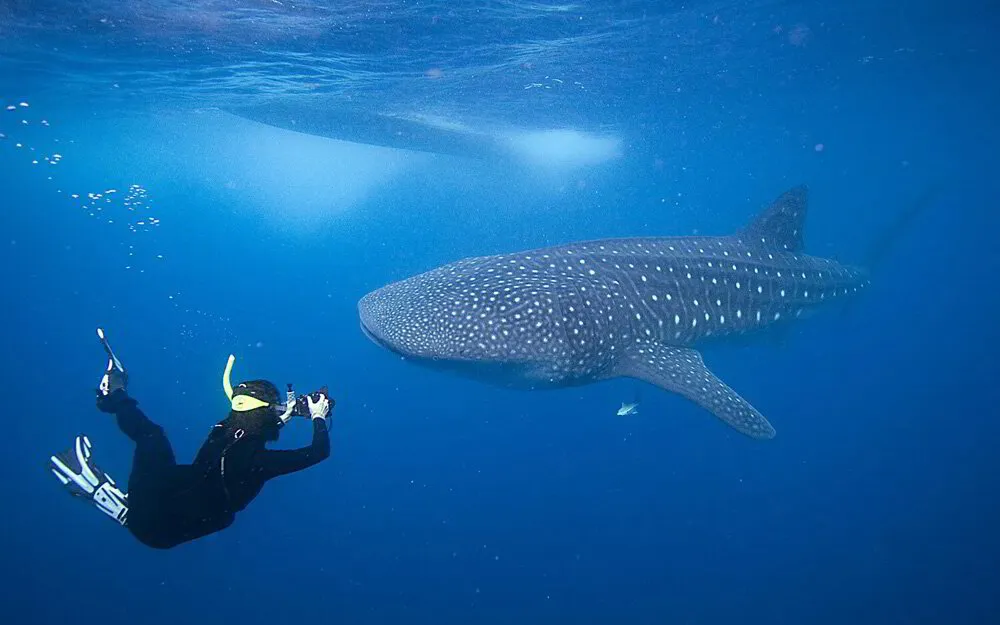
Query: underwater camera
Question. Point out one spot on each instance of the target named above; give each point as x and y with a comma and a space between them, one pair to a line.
301, 405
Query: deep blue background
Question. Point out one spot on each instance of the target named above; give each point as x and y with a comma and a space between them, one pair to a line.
447, 501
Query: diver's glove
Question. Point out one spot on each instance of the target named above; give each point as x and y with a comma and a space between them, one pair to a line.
320, 408
82, 478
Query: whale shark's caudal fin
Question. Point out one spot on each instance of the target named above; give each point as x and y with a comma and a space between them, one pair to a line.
682, 370
780, 225
886, 239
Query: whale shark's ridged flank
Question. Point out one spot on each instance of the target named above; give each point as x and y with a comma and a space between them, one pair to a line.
578, 313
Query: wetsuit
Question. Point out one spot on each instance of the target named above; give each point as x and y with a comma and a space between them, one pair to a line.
172, 503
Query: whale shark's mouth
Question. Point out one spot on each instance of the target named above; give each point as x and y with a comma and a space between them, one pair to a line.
374, 338
394, 348
371, 336
367, 317
380, 341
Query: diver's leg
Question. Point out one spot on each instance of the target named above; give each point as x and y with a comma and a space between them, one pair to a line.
154, 474
154, 456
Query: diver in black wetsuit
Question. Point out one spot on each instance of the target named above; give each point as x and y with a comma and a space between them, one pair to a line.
168, 503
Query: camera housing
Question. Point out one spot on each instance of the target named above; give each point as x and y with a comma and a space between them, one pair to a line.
302, 406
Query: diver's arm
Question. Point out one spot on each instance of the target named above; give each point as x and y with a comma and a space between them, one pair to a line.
275, 462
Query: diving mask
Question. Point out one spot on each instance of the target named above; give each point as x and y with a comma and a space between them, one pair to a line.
245, 403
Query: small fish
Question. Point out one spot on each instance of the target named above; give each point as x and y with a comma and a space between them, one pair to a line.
628, 410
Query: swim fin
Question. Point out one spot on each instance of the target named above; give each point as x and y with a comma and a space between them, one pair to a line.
76, 470
115, 377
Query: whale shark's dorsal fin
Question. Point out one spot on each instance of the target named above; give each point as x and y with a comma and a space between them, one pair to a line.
780, 225
682, 370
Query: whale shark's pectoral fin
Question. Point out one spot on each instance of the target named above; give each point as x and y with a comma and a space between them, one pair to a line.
682, 370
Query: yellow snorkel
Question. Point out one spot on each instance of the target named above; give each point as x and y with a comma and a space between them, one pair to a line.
240, 403
227, 386
244, 403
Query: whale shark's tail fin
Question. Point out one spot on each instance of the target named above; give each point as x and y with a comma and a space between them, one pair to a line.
780, 225
682, 370
885, 240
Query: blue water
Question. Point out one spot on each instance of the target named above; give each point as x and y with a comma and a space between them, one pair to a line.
449, 501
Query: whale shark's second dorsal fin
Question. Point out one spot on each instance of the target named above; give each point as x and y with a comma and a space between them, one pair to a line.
780, 225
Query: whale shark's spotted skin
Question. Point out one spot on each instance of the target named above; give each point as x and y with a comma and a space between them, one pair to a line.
583, 312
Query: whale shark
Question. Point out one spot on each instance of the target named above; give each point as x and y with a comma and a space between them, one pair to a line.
588, 311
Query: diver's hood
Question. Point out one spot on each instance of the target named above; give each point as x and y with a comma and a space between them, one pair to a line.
255, 424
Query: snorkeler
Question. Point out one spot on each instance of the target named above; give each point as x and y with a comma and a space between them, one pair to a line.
168, 503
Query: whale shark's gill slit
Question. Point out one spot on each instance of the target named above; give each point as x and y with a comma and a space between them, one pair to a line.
681, 370
640, 305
